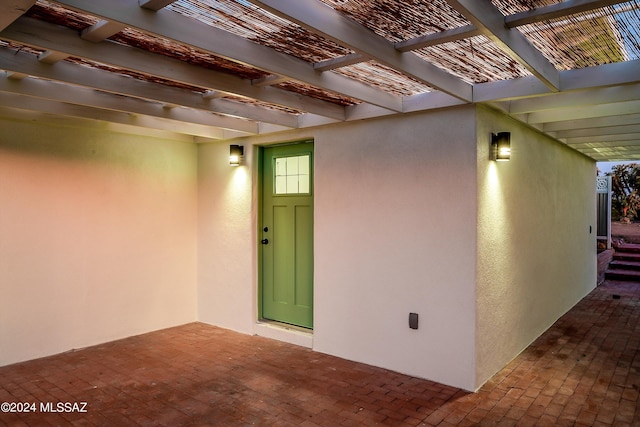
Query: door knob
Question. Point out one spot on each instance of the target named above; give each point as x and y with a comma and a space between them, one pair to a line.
264, 241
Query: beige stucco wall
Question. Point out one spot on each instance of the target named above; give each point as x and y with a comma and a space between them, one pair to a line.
227, 238
536, 253
97, 235
395, 213
395, 233
107, 234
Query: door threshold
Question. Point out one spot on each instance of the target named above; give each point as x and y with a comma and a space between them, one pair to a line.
284, 332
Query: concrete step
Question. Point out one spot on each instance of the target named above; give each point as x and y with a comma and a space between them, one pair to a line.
624, 265
626, 256
626, 275
628, 247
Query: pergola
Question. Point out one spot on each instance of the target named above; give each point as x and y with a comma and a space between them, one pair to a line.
218, 69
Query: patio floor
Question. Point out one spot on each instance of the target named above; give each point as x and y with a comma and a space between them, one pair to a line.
584, 371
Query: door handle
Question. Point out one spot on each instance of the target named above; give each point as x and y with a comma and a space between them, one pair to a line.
265, 241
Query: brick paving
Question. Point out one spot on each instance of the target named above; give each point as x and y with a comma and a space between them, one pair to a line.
584, 371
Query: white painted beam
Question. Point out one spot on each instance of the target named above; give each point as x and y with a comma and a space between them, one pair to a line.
33, 32
214, 94
604, 141
365, 111
201, 36
342, 61
504, 90
12, 10
599, 131
62, 109
430, 101
454, 34
16, 76
612, 158
577, 99
155, 5
619, 152
556, 10
65, 93
269, 81
614, 74
622, 120
617, 73
488, 19
617, 148
607, 155
591, 111
97, 125
320, 18
310, 120
101, 30
24, 63
629, 151
52, 56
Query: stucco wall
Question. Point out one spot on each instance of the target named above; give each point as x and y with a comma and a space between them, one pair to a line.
97, 236
106, 235
227, 238
536, 252
395, 230
395, 233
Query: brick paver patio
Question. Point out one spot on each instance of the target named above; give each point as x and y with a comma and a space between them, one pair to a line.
584, 371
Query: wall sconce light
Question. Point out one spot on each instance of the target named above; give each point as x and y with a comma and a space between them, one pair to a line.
501, 146
235, 154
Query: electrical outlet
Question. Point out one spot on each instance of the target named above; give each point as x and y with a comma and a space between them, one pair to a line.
413, 320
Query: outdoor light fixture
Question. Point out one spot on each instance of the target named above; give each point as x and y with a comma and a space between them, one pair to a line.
235, 154
501, 146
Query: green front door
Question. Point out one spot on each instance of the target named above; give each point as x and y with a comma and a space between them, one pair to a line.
287, 234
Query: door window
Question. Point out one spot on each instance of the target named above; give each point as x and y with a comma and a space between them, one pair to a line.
292, 175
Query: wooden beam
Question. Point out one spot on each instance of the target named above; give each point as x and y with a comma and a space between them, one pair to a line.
342, 61
66, 72
616, 73
80, 111
101, 30
434, 39
269, 81
75, 95
12, 10
155, 5
604, 141
488, 19
599, 131
576, 99
587, 112
222, 43
213, 94
556, 10
16, 76
606, 75
52, 56
430, 101
521, 87
320, 18
36, 33
622, 120
33, 115
629, 152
